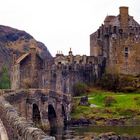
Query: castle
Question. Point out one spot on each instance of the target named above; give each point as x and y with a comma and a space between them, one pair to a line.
58, 74
118, 41
114, 48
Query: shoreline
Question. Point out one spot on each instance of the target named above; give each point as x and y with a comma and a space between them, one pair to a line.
103, 122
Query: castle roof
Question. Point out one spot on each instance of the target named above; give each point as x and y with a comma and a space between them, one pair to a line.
109, 18
22, 58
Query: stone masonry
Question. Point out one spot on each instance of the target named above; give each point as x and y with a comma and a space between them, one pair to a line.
118, 41
17, 127
22, 110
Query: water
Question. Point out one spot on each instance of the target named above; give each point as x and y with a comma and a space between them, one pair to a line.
76, 133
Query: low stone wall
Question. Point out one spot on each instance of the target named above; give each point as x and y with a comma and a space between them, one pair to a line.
3, 133
17, 127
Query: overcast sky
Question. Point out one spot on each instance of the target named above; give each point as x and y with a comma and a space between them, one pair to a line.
62, 24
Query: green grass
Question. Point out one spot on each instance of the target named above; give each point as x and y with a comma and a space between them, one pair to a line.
123, 100
125, 105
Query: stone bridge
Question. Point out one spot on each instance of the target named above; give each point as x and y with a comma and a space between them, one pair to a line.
22, 111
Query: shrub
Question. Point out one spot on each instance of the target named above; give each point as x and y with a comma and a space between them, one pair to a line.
5, 79
128, 89
109, 100
137, 100
109, 81
119, 82
79, 89
127, 112
127, 83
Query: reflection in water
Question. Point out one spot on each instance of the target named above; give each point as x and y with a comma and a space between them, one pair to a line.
78, 132
62, 133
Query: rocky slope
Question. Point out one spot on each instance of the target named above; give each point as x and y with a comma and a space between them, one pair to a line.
18, 41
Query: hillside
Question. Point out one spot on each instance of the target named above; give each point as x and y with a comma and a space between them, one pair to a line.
18, 41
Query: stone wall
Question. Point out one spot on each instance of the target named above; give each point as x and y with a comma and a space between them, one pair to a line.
63, 77
3, 133
17, 127
33, 107
15, 77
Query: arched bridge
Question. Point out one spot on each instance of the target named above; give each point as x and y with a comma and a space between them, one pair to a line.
23, 110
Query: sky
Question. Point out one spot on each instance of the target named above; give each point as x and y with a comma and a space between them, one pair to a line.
62, 24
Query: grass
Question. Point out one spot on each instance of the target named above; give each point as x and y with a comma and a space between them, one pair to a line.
126, 105
123, 100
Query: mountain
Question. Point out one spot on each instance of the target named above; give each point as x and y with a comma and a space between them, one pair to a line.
14, 40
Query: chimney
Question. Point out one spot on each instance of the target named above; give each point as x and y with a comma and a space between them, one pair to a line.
124, 18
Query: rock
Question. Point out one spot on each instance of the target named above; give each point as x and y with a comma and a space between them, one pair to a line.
79, 122
84, 101
108, 136
93, 105
114, 136
115, 122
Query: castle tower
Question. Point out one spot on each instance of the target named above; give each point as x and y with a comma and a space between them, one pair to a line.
124, 18
33, 65
71, 56
70, 52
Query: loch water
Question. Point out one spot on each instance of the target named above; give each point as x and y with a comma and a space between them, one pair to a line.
83, 132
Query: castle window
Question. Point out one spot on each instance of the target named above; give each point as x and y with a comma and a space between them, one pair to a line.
110, 29
126, 52
115, 29
120, 31
126, 49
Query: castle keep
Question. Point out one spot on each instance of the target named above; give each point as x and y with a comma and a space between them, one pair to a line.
118, 41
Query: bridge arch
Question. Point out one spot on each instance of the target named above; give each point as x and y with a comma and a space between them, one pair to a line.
36, 115
52, 116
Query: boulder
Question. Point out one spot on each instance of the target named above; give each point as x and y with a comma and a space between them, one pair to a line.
84, 101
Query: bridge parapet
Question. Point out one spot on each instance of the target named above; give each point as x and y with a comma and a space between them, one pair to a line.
17, 127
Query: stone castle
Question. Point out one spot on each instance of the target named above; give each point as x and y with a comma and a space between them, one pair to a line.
114, 48
59, 73
118, 41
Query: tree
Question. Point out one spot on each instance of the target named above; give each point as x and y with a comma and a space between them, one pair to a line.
5, 79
